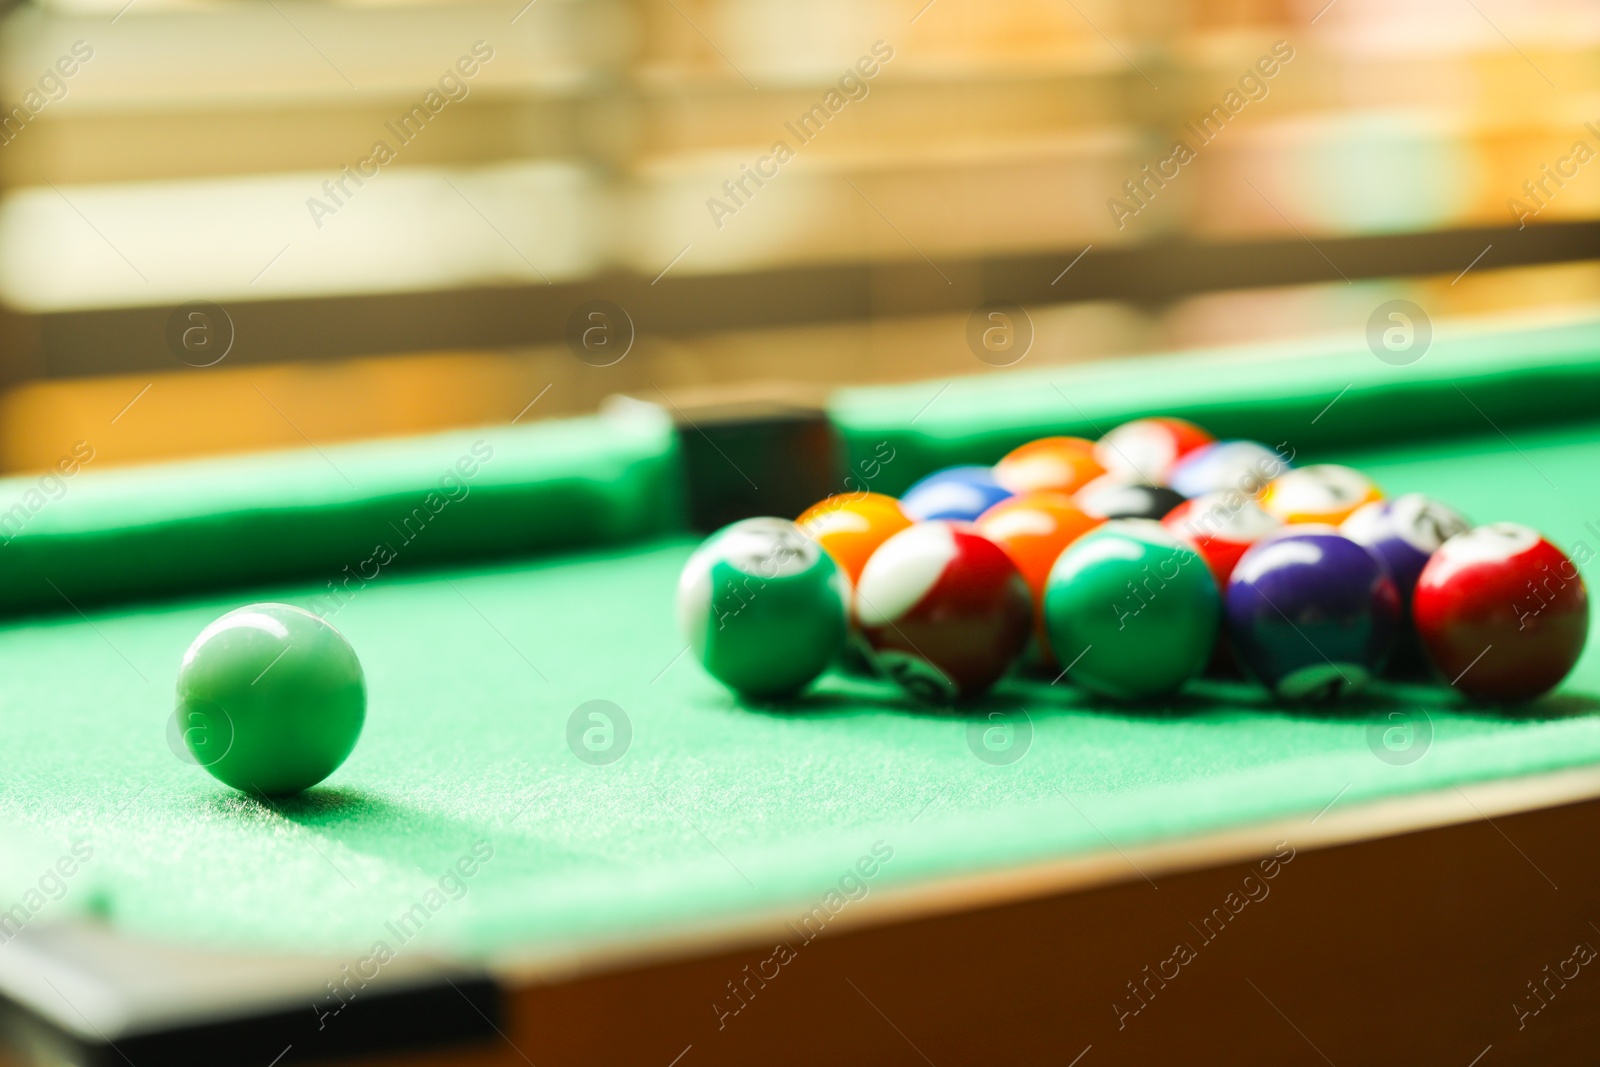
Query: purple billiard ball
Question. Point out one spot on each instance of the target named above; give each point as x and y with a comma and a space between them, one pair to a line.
958, 493
1311, 613
1404, 532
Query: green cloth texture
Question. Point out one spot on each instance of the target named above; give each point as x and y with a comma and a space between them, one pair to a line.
717, 809
330, 513
1464, 382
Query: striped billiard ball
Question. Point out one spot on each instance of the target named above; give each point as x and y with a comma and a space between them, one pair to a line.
1240, 466
1223, 526
1322, 493
1404, 533
1148, 449
944, 610
763, 607
1502, 612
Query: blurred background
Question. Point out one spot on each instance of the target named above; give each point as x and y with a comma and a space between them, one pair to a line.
375, 218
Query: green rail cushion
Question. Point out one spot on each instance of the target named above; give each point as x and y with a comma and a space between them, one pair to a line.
339, 514
1466, 383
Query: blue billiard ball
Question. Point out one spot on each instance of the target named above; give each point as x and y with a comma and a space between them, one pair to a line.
960, 493
1240, 466
1311, 613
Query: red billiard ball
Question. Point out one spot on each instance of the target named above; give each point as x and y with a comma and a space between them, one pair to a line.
1222, 526
1147, 448
1502, 612
944, 610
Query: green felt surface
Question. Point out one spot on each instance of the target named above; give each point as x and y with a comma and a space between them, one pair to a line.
715, 809
114, 535
1309, 396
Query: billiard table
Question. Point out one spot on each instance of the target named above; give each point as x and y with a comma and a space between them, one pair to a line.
559, 842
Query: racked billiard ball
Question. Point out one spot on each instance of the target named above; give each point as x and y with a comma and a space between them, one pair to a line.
1322, 493
1059, 464
959, 493
1115, 496
271, 699
1033, 529
1147, 449
851, 526
1311, 613
1223, 466
944, 609
763, 607
1223, 526
1404, 533
1132, 610
1502, 612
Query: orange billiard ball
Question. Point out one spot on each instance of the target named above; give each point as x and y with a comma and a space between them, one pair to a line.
1033, 529
1062, 464
851, 526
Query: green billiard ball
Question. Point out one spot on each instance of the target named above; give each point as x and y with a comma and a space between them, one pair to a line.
271, 699
763, 607
1133, 609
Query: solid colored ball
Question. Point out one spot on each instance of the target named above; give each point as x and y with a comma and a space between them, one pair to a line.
1240, 466
1147, 449
271, 699
1033, 529
1322, 493
763, 607
1502, 612
1404, 533
1061, 464
1311, 613
959, 493
944, 610
1114, 496
851, 526
1223, 526
1132, 610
